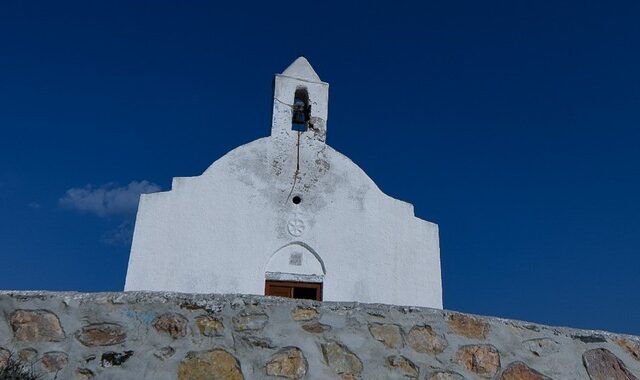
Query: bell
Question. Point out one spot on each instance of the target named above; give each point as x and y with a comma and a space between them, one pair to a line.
299, 114
298, 117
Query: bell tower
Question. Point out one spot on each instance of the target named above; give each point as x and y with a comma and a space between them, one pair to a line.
300, 102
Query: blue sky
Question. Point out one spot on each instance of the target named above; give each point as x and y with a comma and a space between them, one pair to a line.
513, 125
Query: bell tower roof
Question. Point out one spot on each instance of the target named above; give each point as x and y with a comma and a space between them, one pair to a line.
301, 69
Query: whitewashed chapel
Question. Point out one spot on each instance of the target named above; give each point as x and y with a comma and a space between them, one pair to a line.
286, 215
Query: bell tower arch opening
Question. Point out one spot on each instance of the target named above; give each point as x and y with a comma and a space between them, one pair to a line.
301, 110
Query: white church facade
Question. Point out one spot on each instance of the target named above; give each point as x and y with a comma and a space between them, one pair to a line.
286, 215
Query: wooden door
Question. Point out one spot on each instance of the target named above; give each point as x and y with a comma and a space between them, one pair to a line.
290, 289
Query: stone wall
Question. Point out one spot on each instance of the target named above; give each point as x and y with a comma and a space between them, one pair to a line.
183, 336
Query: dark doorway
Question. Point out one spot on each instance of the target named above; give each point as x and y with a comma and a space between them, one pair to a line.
290, 289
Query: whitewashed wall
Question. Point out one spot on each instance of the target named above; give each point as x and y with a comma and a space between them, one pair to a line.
218, 232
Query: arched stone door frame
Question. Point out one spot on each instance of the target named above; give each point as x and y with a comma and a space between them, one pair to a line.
295, 271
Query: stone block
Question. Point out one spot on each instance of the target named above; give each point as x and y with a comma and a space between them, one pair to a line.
316, 327
250, 321
36, 326
172, 324
444, 375
389, 334
520, 371
164, 353
305, 314
468, 326
288, 362
340, 359
601, 364
631, 346
28, 355
403, 366
101, 334
216, 364
422, 338
54, 361
209, 326
542, 346
482, 360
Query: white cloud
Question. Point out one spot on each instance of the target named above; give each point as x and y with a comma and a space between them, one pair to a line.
107, 200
